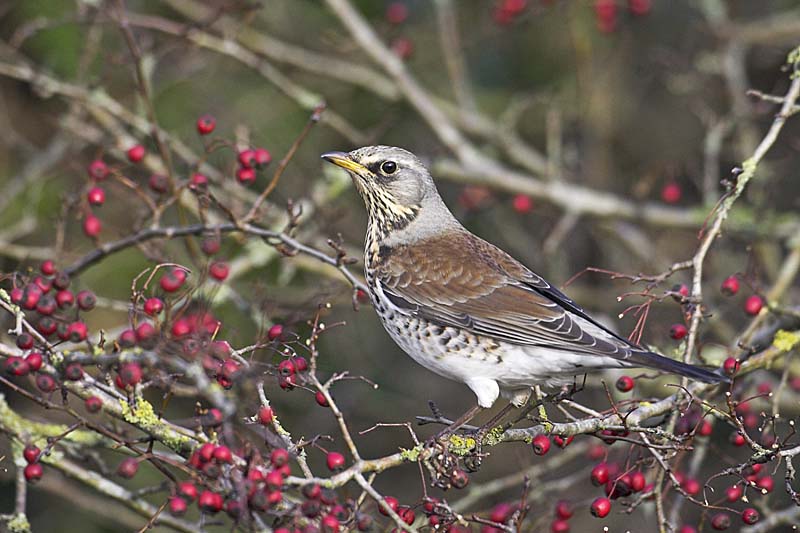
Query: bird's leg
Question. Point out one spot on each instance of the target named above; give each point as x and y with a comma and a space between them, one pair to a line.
452, 428
483, 430
539, 395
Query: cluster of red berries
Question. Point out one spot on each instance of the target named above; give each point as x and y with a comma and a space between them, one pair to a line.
33, 470
752, 305
616, 484
607, 12
396, 14
250, 160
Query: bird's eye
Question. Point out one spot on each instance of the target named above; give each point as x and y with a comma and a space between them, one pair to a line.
388, 167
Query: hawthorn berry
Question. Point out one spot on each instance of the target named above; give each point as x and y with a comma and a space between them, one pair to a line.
45, 383
522, 204
93, 404
730, 286
177, 506
65, 298
173, 279
678, 331
601, 507
396, 13
210, 502
300, 363
86, 300
247, 158
198, 181
600, 474
92, 226
31, 453
562, 442
274, 479
188, 490
321, 400
275, 332
47, 305
223, 454
44, 284
153, 306
219, 270
262, 157
245, 175
329, 524
688, 529
503, 511
212, 418
750, 516
540, 444
563, 510
25, 341
335, 461
181, 328
559, 526
130, 374
73, 372
721, 521
46, 326
691, 486
96, 196
402, 47
265, 415
765, 483
206, 124
158, 183
31, 295
737, 439
625, 384
136, 153
459, 479
671, 192
210, 244
128, 468
34, 360
48, 267
77, 332
730, 366
753, 305
98, 170
33, 472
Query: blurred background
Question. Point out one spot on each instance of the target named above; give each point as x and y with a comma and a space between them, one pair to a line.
641, 103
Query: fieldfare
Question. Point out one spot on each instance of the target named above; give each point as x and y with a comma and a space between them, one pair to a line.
464, 308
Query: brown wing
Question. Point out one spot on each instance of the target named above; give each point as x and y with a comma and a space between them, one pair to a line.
461, 280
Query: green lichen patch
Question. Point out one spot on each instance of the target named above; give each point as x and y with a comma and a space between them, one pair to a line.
461, 445
786, 340
411, 455
141, 415
19, 524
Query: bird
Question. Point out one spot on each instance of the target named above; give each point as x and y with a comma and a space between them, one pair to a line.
465, 309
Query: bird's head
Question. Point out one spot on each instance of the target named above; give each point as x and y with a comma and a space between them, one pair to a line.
393, 182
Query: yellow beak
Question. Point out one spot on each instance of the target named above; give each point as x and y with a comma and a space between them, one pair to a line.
342, 159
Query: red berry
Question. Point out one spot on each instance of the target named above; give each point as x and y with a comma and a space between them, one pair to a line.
522, 204
247, 158
265, 415
48, 267
96, 196
274, 479
601, 507
559, 526
300, 363
407, 515
33, 472
459, 479
45, 383
766, 484
563, 510
625, 384
396, 13
136, 153
25, 341
541, 444
721, 521
262, 157
86, 300
153, 306
187, 490
329, 524
606, 15
730, 286
275, 332
750, 516
130, 374
402, 47
391, 502
16, 295
177, 506
223, 454
737, 439
144, 332
77, 331
563, 442
502, 512
600, 474
246, 175
279, 457
753, 305
173, 279
47, 305
128, 468
335, 461
98, 170
93, 404
31, 453
65, 298
219, 270
92, 226
210, 502
639, 7
34, 360
73, 372
691, 486
321, 400
678, 331
206, 124
198, 181
730, 366
181, 328
31, 295
158, 183
705, 428
212, 418
671, 193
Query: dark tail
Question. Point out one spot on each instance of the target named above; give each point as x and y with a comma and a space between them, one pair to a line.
659, 362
